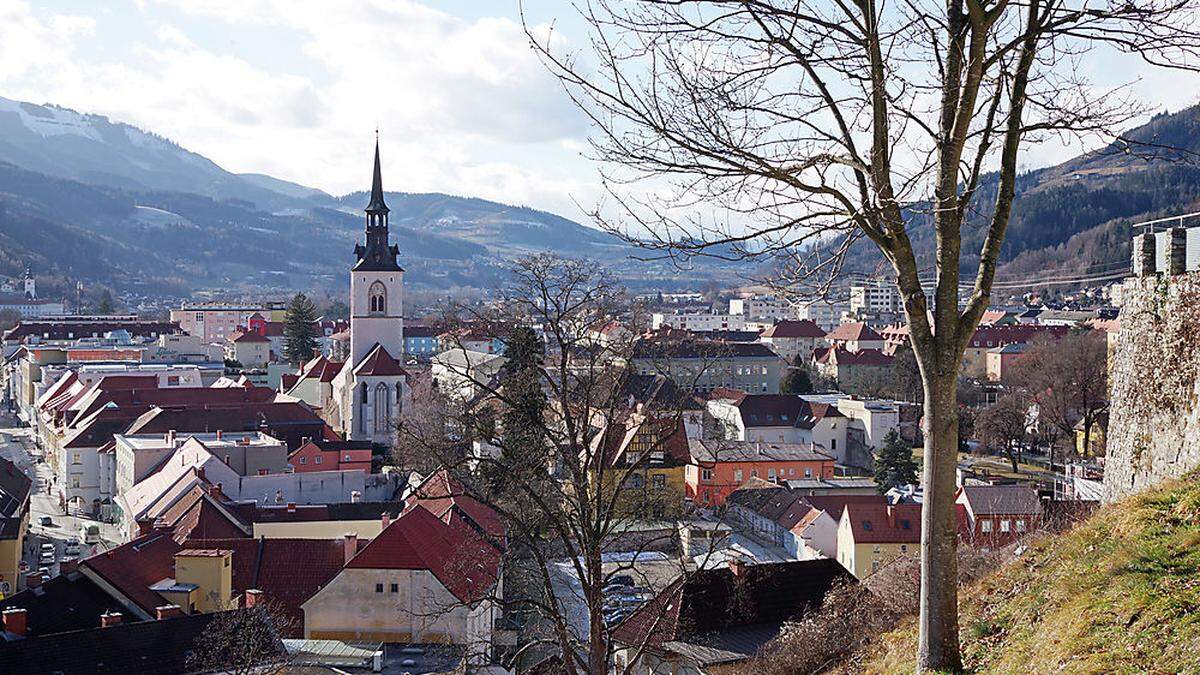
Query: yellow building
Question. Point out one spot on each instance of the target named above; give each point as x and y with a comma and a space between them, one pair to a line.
15, 487
645, 457
872, 535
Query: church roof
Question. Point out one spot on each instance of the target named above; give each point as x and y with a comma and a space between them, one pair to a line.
378, 362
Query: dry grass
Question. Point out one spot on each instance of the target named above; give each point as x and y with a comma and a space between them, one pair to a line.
1118, 594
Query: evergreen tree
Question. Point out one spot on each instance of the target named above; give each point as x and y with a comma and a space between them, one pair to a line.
105, 306
797, 380
526, 402
299, 330
894, 463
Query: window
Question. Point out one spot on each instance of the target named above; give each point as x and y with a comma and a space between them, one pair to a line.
754, 473
904, 548
1005, 526
395, 588
985, 526
659, 481
833, 444
377, 298
303, 460
317, 459
347, 458
706, 474
808, 473
875, 548
378, 588
770, 474
1020, 526
383, 408
737, 475
791, 472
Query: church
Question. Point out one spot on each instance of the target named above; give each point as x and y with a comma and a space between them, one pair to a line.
370, 391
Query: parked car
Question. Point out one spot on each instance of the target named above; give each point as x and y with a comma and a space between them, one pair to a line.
71, 547
45, 521
91, 534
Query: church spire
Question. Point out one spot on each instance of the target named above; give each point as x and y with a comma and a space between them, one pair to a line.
377, 254
377, 205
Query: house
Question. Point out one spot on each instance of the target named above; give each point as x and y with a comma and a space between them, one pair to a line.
854, 336
1000, 360
720, 617
421, 341
646, 453
15, 488
986, 338
872, 535
422, 579
995, 515
698, 321
246, 453
790, 339
803, 525
852, 368
766, 307
702, 366
718, 467
778, 418
248, 348
321, 455
314, 382
463, 373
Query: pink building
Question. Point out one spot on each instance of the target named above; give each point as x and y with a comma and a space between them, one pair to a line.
332, 456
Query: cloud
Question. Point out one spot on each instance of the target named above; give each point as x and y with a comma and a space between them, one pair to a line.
296, 88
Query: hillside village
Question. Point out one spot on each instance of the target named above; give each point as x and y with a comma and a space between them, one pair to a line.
186, 470
693, 338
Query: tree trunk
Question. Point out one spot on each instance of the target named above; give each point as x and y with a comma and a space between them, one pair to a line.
939, 559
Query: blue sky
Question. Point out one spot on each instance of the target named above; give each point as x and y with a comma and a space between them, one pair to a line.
295, 88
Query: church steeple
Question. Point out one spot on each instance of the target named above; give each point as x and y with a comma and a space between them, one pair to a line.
377, 207
377, 255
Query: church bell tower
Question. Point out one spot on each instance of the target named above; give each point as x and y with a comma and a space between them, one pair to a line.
376, 283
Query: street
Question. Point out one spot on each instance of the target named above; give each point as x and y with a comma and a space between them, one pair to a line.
16, 443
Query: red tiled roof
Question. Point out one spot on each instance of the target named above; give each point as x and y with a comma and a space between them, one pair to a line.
287, 571
854, 331
440, 493
378, 362
884, 524
466, 564
794, 329
133, 567
247, 336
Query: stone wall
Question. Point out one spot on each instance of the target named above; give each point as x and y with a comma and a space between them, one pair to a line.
1154, 419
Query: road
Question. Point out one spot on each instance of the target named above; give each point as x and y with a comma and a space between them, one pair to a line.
16, 443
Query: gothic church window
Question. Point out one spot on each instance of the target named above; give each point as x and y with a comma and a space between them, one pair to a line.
377, 298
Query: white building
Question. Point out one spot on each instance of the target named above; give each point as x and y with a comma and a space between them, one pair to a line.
827, 315
761, 307
875, 299
698, 322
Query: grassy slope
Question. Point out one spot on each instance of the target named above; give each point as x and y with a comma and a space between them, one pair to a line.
1120, 593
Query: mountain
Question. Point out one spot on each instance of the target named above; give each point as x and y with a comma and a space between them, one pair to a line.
1075, 218
139, 210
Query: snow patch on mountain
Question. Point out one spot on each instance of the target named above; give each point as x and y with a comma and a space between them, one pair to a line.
48, 121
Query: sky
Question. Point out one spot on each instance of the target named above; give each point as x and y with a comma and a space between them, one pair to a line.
296, 88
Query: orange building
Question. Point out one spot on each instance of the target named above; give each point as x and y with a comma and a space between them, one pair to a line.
331, 456
718, 467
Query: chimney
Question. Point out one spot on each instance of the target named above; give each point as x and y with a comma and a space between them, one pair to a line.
215, 492
262, 472
167, 612
109, 619
253, 597
144, 527
737, 566
34, 580
171, 438
14, 620
291, 507
350, 544
355, 496
200, 473
386, 520
220, 435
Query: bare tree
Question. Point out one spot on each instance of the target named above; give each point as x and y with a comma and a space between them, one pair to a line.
1003, 426
808, 125
566, 441
244, 641
1068, 380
